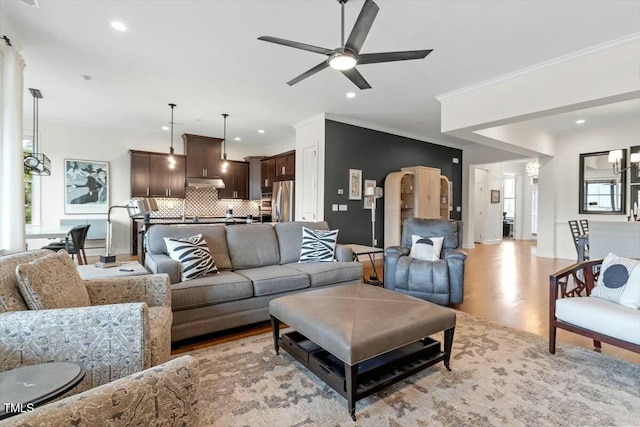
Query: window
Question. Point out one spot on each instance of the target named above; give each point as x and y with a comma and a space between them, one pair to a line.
509, 198
27, 147
602, 195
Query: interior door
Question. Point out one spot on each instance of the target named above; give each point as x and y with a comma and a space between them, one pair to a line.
309, 203
478, 205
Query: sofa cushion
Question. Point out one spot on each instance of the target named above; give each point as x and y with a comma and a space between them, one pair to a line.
193, 255
252, 246
10, 296
324, 273
318, 245
290, 238
214, 234
224, 286
619, 281
52, 282
274, 279
599, 315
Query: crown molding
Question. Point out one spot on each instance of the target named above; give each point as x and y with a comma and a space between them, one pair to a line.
390, 130
531, 69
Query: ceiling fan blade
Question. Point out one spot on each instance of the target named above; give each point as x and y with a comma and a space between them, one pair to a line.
321, 66
296, 45
372, 58
362, 26
356, 78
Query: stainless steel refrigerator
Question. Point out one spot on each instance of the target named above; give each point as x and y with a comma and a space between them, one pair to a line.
282, 201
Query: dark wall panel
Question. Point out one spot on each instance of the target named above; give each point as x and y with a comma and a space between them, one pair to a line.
377, 154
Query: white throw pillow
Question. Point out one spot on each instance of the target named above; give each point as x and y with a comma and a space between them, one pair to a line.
426, 248
193, 255
318, 245
619, 281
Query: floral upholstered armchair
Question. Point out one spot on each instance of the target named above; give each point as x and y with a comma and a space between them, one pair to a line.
166, 394
123, 327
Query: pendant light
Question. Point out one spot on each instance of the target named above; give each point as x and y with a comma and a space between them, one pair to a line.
225, 164
171, 158
35, 162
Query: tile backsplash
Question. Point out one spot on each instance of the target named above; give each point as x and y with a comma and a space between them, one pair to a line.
203, 202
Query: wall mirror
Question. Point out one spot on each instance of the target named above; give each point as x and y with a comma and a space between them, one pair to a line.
601, 190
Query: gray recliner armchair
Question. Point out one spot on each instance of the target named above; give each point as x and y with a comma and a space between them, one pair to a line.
440, 281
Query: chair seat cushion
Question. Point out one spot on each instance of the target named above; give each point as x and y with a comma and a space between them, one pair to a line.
274, 279
223, 287
599, 315
52, 282
160, 319
325, 273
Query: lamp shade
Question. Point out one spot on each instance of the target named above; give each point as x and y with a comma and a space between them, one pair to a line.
142, 207
634, 158
373, 192
615, 155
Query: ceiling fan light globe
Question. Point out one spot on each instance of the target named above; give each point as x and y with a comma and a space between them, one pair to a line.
342, 61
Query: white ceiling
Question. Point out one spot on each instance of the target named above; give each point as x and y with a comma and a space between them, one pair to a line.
205, 57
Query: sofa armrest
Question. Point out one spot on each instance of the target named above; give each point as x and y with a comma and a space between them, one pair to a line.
151, 288
392, 256
109, 341
343, 253
166, 393
162, 263
396, 251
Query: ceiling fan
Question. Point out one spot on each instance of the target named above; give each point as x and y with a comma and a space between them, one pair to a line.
345, 57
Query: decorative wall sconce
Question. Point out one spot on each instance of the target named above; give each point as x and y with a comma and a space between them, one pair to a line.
615, 157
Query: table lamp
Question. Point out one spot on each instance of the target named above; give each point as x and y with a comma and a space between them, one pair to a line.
135, 208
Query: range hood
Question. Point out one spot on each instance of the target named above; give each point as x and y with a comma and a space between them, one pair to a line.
205, 183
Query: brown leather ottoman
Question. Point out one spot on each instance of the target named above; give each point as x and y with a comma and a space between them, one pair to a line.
361, 338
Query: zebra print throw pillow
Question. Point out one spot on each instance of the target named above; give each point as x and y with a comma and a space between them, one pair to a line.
318, 245
193, 255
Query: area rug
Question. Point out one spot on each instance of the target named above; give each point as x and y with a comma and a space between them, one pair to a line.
500, 377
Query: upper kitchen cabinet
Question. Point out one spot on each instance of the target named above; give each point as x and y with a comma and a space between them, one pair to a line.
236, 181
203, 156
267, 174
151, 175
285, 166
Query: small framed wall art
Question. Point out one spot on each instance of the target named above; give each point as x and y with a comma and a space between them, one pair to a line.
355, 184
86, 186
495, 196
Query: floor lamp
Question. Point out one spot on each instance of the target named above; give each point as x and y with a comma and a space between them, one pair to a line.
135, 208
373, 193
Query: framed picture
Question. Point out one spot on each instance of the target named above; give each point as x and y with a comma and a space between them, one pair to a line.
634, 171
355, 184
495, 196
86, 186
368, 201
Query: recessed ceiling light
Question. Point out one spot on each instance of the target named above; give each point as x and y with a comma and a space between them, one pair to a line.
117, 25
351, 94
199, 120
260, 130
237, 138
580, 121
165, 127
86, 77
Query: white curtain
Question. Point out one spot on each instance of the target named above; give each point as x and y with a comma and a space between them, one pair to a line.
12, 238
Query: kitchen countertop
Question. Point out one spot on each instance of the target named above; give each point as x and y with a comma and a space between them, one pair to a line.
200, 220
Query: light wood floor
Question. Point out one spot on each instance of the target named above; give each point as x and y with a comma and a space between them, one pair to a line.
505, 283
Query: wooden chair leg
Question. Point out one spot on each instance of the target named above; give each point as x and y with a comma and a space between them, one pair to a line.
597, 345
552, 339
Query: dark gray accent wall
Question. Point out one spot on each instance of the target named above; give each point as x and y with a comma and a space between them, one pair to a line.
377, 154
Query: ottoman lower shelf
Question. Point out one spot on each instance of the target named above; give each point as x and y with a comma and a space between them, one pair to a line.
374, 374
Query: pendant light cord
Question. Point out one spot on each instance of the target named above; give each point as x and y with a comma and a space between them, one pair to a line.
35, 126
172, 107
224, 140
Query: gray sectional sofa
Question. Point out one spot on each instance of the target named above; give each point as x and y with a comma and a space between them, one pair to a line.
256, 262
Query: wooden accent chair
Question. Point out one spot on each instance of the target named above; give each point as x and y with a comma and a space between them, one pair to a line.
576, 311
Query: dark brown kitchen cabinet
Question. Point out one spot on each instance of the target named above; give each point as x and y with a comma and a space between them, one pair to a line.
267, 174
236, 181
151, 175
203, 156
285, 166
